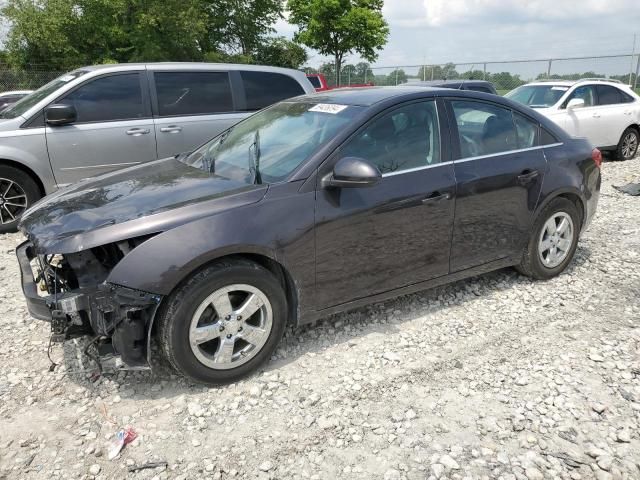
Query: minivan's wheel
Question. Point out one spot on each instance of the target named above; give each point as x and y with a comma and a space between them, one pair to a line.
553, 240
628, 146
223, 322
18, 192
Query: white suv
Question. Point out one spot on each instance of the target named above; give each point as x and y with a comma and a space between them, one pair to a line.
606, 112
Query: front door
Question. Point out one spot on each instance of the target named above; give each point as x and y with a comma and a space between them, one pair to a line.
398, 232
499, 172
586, 121
113, 130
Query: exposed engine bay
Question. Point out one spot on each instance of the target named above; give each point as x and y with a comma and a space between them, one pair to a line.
71, 292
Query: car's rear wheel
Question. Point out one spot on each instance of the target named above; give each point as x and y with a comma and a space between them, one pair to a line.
628, 145
224, 322
18, 192
553, 240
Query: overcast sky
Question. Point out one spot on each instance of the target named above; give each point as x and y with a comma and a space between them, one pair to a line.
437, 31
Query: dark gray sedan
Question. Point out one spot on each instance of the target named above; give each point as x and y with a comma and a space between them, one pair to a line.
312, 206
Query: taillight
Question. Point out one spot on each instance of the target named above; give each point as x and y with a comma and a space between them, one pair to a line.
596, 155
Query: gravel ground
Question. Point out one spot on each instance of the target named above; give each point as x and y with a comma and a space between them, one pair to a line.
493, 377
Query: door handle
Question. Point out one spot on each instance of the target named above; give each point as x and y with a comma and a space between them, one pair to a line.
528, 176
436, 197
596, 115
171, 129
136, 132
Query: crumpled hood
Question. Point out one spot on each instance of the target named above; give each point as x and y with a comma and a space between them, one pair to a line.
140, 200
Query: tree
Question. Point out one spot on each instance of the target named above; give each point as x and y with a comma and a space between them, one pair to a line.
65, 34
364, 73
340, 27
280, 52
397, 77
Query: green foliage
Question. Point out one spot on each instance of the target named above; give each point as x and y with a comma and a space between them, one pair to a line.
64, 34
280, 52
340, 27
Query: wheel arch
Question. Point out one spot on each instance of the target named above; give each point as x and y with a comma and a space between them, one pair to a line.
281, 273
573, 196
24, 168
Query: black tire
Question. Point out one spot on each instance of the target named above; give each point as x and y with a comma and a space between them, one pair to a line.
174, 318
22, 184
531, 264
626, 152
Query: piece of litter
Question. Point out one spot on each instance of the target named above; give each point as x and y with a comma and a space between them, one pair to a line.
630, 189
135, 468
123, 437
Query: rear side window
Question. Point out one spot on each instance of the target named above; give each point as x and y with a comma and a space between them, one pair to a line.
526, 131
193, 93
484, 128
547, 138
608, 95
116, 97
266, 88
315, 81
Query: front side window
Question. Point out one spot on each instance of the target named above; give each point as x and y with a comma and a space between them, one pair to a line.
484, 128
266, 88
405, 138
116, 97
268, 146
192, 93
586, 93
25, 103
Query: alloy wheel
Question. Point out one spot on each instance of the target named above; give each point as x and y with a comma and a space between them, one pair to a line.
230, 326
629, 145
556, 239
13, 201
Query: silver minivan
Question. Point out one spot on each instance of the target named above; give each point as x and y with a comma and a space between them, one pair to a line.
101, 118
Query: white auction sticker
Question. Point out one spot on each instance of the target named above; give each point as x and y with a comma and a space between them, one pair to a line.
564, 89
328, 108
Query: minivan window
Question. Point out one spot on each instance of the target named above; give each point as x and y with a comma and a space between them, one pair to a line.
278, 139
25, 103
115, 97
315, 81
193, 93
265, 88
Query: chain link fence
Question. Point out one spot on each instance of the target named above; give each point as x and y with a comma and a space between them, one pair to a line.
504, 75
25, 79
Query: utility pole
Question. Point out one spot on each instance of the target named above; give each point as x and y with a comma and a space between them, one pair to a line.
633, 53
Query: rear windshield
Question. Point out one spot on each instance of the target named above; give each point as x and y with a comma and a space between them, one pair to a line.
538, 96
30, 100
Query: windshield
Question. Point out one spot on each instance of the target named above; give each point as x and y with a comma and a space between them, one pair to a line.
30, 100
275, 140
538, 96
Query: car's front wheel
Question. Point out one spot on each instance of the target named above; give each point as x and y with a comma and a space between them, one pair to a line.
628, 145
224, 322
18, 192
553, 240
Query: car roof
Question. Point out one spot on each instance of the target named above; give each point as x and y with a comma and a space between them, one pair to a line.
186, 66
461, 81
364, 96
16, 92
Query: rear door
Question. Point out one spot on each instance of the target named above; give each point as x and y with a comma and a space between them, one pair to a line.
114, 128
398, 232
615, 113
499, 171
191, 107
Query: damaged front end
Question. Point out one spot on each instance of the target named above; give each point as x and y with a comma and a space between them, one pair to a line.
72, 292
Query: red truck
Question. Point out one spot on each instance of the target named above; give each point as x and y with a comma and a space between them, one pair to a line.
319, 82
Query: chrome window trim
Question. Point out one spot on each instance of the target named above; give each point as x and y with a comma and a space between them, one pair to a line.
415, 169
508, 152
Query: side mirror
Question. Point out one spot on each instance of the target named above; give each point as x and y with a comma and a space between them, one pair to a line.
352, 172
56, 115
575, 103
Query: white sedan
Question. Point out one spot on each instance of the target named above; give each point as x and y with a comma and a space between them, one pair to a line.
606, 112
